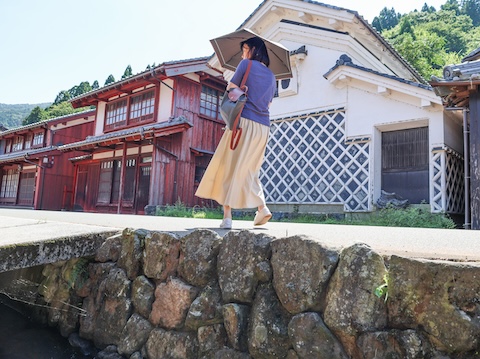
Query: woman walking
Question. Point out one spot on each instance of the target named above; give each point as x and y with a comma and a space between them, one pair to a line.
232, 177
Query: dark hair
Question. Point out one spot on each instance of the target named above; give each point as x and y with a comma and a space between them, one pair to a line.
259, 49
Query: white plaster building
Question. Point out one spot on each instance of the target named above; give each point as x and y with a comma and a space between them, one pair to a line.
355, 118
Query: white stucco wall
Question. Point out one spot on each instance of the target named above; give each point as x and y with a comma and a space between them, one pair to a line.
100, 118
166, 101
454, 130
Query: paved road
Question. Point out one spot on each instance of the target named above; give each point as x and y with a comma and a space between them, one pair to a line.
22, 225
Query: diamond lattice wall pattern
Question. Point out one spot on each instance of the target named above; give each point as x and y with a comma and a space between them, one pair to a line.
448, 182
308, 161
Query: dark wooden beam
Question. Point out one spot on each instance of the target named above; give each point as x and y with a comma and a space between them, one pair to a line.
474, 159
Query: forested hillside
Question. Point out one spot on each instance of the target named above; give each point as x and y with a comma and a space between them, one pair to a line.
12, 115
432, 38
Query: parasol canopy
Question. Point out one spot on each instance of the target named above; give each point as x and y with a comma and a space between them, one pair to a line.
227, 48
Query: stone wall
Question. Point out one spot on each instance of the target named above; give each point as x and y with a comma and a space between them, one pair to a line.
157, 295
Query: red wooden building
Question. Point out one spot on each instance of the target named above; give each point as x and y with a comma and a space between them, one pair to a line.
33, 173
154, 135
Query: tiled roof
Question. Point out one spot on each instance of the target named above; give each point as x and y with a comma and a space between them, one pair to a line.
345, 60
140, 75
25, 154
472, 56
45, 122
125, 133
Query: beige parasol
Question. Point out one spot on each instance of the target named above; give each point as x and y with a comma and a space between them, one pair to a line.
227, 48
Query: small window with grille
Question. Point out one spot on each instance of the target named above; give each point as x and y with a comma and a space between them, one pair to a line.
116, 114
210, 100
142, 107
38, 139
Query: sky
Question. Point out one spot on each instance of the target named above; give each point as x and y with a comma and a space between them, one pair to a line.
52, 45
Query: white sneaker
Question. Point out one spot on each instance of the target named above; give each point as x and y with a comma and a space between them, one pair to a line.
226, 223
262, 217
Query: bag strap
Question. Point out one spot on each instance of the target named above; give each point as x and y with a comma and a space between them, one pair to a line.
237, 132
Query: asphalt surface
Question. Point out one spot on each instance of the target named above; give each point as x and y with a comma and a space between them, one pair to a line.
24, 225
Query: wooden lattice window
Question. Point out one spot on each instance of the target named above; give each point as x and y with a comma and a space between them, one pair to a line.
116, 114
109, 182
38, 139
17, 144
210, 102
9, 184
27, 188
405, 164
142, 107
405, 149
8, 146
129, 187
28, 141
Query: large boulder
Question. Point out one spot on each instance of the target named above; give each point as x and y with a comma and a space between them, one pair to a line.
143, 295
131, 253
268, 327
93, 302
312, 339
301, 271
206, 309
228, 353
166, 344
235, 319
198, 257
115, 307
134, 335
439, 298
161, 255
352, 305
110, 249
172, 301
394, 344
242, 263
211, 339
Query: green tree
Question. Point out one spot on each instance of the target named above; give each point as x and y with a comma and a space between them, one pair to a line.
110, 79
471, 8
431, 40
427, 8
150, 66
386, 19
61, 109
80, 89
37, 115
451, 5
473, 40
95, 85
451, 28
62, 97
422, 49
127, 73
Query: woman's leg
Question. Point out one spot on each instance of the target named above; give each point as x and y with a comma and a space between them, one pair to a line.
227, 218
227, 212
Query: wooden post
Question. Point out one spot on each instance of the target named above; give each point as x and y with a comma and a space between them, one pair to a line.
474, 158
123, 168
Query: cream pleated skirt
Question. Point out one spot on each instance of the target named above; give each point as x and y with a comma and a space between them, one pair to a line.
232, 177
